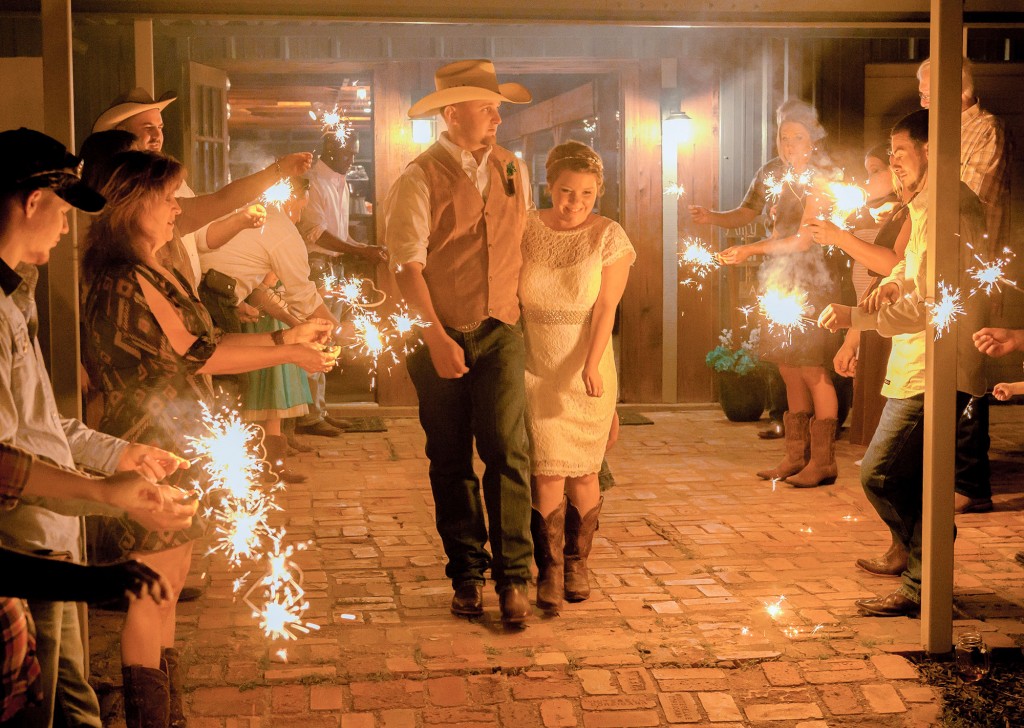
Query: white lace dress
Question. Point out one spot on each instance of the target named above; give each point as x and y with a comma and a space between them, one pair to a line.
558, 285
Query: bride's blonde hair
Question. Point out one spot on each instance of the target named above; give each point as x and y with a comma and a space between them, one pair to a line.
574, 157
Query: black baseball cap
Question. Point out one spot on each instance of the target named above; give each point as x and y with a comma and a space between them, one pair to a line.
31, 160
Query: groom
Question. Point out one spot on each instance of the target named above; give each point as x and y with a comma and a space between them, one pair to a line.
453, 225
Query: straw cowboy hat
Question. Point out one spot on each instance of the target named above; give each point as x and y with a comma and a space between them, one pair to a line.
467, 81
124, 107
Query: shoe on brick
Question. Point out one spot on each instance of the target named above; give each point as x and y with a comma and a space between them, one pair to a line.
320, 428
774, 431
515, 604
468, 600
341, 424
963, 504
891, 605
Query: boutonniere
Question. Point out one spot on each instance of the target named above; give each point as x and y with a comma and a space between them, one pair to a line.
510, 179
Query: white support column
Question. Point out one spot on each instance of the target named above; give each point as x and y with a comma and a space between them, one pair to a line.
144, 73
59, 121
940, 356
670, 244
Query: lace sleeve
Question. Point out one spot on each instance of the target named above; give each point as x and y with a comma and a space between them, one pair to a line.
615, 245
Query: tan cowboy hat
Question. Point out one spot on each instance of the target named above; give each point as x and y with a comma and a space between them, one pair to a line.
134, 102
468, 81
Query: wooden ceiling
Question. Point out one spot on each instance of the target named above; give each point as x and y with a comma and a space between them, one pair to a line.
288, 107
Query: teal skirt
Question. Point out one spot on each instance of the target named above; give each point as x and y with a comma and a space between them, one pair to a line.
281, 391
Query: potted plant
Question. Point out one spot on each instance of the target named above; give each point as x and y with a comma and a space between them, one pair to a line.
741, 388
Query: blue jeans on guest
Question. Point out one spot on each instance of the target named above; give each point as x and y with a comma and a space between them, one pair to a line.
973, 472
891, 474
488, 405
321, 265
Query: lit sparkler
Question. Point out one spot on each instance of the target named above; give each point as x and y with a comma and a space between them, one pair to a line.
785, 310
675, 190
846, 200
774, 609
334, 120
948, 306
277, 194
698, 258
990, 274
775, 185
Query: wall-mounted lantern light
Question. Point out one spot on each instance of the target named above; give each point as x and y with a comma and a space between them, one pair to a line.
424, 131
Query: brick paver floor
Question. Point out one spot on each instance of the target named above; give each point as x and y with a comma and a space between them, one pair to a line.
692, 555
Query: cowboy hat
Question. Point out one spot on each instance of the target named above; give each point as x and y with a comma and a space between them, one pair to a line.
124, 107
467, 81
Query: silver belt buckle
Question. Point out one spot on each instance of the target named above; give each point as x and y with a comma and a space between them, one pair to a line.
466, 328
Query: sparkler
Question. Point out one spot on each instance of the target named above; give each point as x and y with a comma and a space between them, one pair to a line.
989, 274
775, 185
228, 455
277, 194
334, 120
676, 190
699, 259
784, 310
774, 609
947, 307
846, 200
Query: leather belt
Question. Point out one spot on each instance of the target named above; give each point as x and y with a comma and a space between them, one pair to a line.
466, 328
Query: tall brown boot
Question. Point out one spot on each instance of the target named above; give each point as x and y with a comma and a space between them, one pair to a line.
277, 449
146, 697
169, 665
548, 544
579, 538
798, 445
821, 468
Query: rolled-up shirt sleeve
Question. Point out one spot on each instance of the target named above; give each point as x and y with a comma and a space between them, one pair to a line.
15, 466
407, 219
92, 449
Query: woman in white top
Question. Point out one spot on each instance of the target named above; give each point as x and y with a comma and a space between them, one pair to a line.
575, 267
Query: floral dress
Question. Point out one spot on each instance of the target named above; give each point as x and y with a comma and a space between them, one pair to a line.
558, 286
152, 394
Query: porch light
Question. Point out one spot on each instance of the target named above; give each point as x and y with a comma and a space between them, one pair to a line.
677, 128
423, 131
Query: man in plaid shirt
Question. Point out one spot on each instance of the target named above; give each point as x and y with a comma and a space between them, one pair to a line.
983, 159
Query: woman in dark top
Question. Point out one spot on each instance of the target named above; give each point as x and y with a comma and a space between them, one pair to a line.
151, 347
797, 266
864, 354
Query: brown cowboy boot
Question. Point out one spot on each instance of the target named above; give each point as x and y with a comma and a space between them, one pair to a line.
892, 563
798, 443
169, 664
548, 552
146, 697
277, 449
821, 469
579, 538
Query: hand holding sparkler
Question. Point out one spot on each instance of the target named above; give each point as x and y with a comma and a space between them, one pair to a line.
700, 215
151, 462
824, 232
1005, 390
835, 316
736, 254
253, 216
295, 164
314, 331
882, 295
159, 507
997, 341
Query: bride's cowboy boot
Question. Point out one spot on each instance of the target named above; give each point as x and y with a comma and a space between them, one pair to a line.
169, 665
821, 468
548, 544
798, 443
146, 697
579, 538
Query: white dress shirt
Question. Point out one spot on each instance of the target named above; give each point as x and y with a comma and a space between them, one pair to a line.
407, 206
276, 247
328, 208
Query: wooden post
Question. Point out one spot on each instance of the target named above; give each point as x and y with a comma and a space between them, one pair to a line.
940, 356
59, 121
144, 73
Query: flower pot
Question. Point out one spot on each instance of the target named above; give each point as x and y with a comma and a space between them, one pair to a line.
742, 396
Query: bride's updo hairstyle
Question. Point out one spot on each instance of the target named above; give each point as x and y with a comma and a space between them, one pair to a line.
575, 157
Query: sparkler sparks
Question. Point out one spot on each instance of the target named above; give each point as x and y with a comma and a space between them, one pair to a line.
774, 609
786, 310
948, 306
846, 200
990, 274
675, 190
775, 185
334, 120
277, 194
698, 259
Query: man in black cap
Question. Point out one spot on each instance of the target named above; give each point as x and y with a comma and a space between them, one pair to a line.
39, 183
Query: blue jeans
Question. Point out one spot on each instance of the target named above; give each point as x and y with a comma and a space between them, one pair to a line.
487, 404
973, 472
319, 266
891, 474
66, 692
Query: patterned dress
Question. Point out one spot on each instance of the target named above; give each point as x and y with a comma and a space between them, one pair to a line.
558, 286
152, 394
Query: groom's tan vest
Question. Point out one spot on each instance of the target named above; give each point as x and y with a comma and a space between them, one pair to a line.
473, 252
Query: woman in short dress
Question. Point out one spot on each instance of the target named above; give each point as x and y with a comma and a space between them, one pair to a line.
575, 267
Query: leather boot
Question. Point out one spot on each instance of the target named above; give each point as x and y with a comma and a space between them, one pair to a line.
892, 563
146, 697
821, 468
579, 538
548, 552
798, 444
169, 664
277, 448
